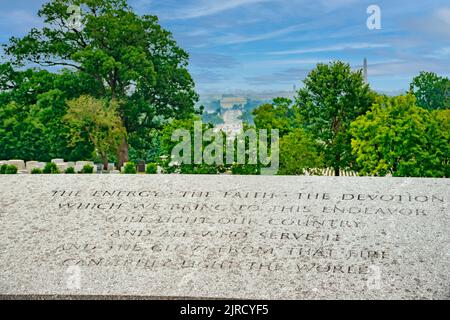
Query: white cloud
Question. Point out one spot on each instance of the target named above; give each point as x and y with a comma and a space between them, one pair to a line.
443, 51
408, 68
237, 38
334, 48
436, 25
208, 8
443, 14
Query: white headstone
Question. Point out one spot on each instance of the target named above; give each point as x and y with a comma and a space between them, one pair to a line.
80, 164
31, 165
62, 167
19, 164
41, 165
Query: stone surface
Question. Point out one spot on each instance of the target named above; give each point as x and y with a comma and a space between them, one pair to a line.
62, 166
111, 167
30, 165
175, 236
80, 164
19, 164
56, 161
99, 168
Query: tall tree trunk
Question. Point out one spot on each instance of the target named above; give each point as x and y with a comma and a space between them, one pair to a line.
123, 153
105, 163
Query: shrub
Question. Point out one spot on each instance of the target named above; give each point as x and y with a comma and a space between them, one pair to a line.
36, 171
70, 170
152, 168
3, 169
51, 168
87, 169
130, 168
11, 170
298, 153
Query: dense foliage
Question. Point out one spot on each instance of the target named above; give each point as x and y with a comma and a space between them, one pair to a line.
120, 54
117, 88
333, 97
432, 91
399, 138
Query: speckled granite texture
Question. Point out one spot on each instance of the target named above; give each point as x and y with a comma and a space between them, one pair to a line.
237, 237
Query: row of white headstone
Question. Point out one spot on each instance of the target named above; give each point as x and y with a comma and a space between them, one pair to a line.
27, 167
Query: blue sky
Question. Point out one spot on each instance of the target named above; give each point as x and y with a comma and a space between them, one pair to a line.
270, 45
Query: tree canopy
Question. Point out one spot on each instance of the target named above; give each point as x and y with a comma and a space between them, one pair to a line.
399, 138
431, 91
280, 115
99, 121
333, 97
298, 153
129, 57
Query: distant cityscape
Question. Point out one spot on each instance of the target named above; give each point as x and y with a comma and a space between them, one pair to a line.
228, 112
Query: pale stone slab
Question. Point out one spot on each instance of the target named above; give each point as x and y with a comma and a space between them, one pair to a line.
173, 236
80, 164
30, 165
19, 164
41, 165
62, 166
111, 167
56, 161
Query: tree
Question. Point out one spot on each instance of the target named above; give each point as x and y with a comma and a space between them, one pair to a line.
333, 96
168, 146
399, 138
101, 122
431, 91
279, 115
130, 57
32, 104
442, 118
298, 152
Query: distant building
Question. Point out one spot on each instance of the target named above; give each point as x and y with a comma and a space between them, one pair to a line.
230, 102
232, 125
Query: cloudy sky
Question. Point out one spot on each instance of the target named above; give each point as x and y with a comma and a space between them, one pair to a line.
270, 45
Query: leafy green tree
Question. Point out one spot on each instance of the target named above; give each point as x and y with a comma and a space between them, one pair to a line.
431, 91
279, 115
298, 152
399, 138
442, 118
333, 97
130, 57
167, 146
32, 104
101, 122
